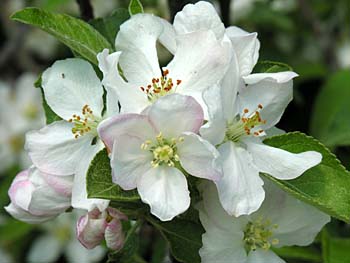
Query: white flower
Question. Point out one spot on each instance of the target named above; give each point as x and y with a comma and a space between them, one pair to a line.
237, 123
59, 238
66, 147
20, 111
281, 221
37, 196
95, 226
200, 60
148, 151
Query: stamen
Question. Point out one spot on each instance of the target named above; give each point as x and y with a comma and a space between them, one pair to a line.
84, 124
160, 86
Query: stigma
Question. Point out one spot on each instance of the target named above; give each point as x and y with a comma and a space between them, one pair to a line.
164, 150
248, 124
259, 234
160, 87
85, 123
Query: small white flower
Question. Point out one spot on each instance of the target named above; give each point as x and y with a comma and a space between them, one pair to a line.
59, 238
150, 150
281, 221
200, 60
66, 147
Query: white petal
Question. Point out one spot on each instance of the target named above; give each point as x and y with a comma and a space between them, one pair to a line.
129, 161
246, 46
131, 98
197, 17
298, 223
24, 216
273, 91
198, 157
196, 71
75, 252
54, 150
125, 124
240, 189
175, 114
280, 163
79, 193
263, 256
137, 40
167, 38
165, 190
39, 250
214, 130
69, 85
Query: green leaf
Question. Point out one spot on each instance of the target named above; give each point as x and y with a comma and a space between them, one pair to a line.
109, 26
334, 249
131, 244
73, 32
271, 67
330, 121
99, 181
184, 238
325, 186
135, 7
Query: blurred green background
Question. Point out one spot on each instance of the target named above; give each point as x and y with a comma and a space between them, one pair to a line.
312, 36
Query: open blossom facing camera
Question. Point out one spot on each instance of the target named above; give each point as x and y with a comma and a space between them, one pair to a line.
66, 147
281, 221
149, 152
200, 60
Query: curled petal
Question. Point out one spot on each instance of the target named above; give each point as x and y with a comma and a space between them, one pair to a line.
114, 235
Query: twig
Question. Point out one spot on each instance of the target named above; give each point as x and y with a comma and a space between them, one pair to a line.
86, 11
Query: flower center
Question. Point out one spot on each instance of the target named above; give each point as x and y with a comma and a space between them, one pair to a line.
247, 125
16, 143
31, 111
163, 150
160, 87
63, 233
87, 123
259, 234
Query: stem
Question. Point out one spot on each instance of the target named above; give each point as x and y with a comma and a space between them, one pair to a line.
86, 11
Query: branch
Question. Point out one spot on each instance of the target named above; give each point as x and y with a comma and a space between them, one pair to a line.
86, 11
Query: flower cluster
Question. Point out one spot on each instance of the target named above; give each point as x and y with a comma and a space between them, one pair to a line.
203, 115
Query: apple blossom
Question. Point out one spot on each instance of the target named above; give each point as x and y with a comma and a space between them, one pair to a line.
200, 60
66, 147
151, 150
96, 226
281, 221
37, 196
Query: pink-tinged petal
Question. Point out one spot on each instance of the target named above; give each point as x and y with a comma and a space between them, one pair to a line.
165, 190
54, 150
71, 84
125, 124
282, 164
129, 161
114, 235
137, 40
197, 17
241, 188
90, 229
62, 185
175, 114
21, 190
24, 216
198, 157
116, 213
